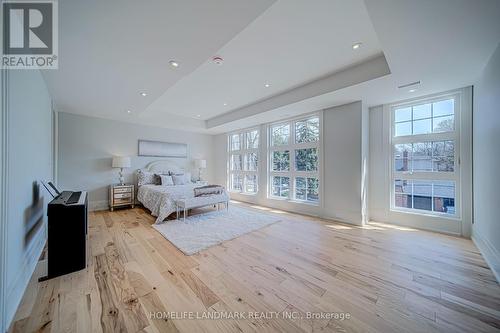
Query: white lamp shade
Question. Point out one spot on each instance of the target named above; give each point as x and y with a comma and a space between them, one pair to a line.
200, 164
121, 162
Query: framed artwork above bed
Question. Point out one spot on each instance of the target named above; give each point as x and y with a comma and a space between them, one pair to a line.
162, 149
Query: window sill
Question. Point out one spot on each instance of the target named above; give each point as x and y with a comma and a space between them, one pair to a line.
425, 214
314, 204
243, 193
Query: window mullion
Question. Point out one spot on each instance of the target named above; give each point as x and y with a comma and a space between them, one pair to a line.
449, 136
425, 175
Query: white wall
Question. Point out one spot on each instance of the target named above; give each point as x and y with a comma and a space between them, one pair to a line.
486, 138
28, 157
86, 146
343, 140
220, 157
379, 174
344, 133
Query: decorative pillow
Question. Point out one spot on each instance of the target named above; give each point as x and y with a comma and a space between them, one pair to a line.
145, 177
166, 180
179, 179
158, 177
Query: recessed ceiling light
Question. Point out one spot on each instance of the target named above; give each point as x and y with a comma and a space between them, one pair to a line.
128, 111
412, 90
198, 115
225, 104
144, 94
174, 63
267, 85
356, 46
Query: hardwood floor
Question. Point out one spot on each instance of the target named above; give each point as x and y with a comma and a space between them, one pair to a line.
385, 278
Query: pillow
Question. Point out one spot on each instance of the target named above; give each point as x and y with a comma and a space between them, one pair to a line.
145, 177
186, 178
166, 180
179, 179
158, 177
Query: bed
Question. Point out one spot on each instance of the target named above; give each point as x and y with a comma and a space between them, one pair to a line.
160, 199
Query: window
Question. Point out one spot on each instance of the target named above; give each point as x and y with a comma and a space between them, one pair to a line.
235, 142
294, 160
307, 189
252, 139
425, 118
280, 186
306, 159
432, 196
425, 175
280, 135
280, 160
437, 156
307, 130
244, 161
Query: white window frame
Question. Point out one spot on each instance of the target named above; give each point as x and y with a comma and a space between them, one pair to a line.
291, 147
428, 175
243, 151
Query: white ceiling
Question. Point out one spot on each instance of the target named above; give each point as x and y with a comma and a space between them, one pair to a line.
110, 53
425, 41
293, 42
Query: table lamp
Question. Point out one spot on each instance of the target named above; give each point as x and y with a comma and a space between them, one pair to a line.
200, 164
121, 162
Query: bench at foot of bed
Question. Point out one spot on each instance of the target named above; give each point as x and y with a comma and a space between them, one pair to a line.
198, 202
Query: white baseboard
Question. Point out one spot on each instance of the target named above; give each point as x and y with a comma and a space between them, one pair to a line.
98, 205
16, 291
341, 219
490, 254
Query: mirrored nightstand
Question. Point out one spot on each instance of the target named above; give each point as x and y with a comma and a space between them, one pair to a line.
121, 195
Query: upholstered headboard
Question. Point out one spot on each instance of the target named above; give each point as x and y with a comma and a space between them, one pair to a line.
164, 166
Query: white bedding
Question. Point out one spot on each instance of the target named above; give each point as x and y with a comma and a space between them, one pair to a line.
160, 200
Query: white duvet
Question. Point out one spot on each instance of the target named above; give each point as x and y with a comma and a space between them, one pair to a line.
160, 200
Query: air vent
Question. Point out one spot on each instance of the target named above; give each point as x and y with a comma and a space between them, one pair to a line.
409, 84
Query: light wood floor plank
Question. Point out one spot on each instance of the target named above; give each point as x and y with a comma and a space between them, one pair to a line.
385, 278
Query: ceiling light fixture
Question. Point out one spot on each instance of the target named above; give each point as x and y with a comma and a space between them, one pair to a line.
356, 46
225, 104
267, 85
143, 94
412, 90
173, 63
198, 115
128, 111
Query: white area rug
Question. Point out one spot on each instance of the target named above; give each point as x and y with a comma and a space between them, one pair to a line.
201, 231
